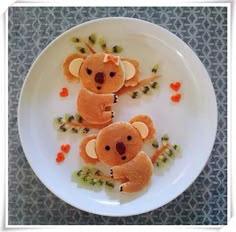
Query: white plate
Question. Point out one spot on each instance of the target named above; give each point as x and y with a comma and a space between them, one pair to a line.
191, 123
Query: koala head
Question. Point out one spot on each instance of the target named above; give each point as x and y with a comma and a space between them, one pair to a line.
102, 73
119, 142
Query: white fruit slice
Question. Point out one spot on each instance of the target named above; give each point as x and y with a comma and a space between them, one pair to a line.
90, 149
129, 70
142, 128
75, 65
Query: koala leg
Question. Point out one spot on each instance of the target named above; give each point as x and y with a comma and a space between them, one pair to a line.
136, 173
128, 186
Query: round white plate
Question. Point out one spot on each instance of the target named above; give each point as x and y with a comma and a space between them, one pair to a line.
190, 123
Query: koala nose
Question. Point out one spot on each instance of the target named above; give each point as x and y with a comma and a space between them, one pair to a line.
99, 77
120, 148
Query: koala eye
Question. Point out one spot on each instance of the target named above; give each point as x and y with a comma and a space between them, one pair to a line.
107, 148
112, 74
89, 71
129, 137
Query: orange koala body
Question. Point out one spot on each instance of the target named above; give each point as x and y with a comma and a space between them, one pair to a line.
119, 145
103, 78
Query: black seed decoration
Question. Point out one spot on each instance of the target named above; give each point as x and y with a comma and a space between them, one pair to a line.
155, 144
85, 130
71, 118
170, 153
85, 178
102, 43
59, 119
98, 173
134, 94
100, 182
146, 89
92, 182
164, 138
75, 39
164, 159
154, 85
109, 184
63, 128
155, 68
79, 173
93, 38
79, 119
74, 130
117, 49
81, 49
176, 147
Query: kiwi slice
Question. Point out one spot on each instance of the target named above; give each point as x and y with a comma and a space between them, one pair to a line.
155, 68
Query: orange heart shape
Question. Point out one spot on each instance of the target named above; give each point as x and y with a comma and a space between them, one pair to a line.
64, 92
175, 86
60, 157
176, 97
65, 148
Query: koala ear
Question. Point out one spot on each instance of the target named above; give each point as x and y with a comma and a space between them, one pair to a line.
72, 66
131, 69
75, 65
142, 128
144, 125
88, 149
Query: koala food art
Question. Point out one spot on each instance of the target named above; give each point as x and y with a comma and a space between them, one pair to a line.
119, 146
103, 77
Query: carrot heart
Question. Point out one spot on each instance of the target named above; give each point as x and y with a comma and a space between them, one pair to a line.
176, 97
65, 148
64, 92
60, 157
175, 86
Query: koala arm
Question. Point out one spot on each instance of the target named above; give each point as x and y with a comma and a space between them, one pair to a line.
87, 97
94, 108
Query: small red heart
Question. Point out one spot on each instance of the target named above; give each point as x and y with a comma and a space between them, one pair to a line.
65, 148
176, 97
64, 92
60, 157
175, 86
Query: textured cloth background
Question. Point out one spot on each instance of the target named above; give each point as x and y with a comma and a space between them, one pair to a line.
204, 29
